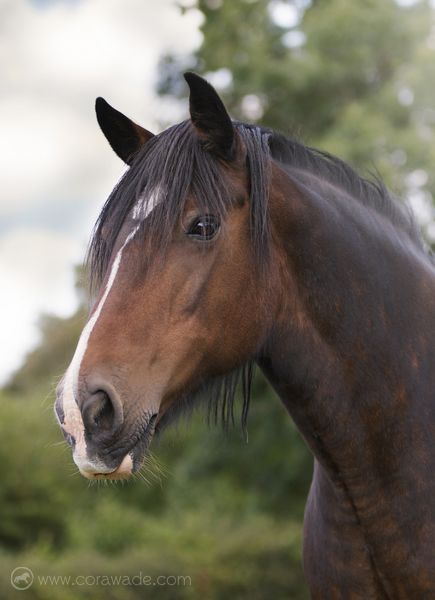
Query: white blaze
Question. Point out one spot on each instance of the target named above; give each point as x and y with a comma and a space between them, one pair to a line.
73, 422
143, 207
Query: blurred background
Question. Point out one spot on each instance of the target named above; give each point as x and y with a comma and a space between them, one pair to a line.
354, 78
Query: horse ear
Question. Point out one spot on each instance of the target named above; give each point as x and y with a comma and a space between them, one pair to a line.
209, 116
124, 136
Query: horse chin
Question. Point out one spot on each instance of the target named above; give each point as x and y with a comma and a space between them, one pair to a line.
123, 471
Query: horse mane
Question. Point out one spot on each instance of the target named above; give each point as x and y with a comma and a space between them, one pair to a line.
370, 192
174, 164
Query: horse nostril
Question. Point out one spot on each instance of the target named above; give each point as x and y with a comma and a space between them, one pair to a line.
99, 413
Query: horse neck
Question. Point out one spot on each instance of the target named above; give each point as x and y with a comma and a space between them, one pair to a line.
351, 354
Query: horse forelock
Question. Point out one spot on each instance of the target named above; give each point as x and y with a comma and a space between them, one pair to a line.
174, 165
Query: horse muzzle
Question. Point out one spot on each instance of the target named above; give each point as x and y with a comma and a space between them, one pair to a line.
104, 446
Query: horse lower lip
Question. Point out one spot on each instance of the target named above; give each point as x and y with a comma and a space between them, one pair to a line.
123, 471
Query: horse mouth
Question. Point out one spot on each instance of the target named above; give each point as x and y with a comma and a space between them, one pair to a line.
131, 462
123, 471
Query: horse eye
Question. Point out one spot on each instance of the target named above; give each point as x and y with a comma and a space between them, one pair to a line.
204, 227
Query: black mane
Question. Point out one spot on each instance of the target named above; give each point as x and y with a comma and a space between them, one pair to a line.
174, 163
370, 192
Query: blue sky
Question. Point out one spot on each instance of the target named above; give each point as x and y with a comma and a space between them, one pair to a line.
56, 57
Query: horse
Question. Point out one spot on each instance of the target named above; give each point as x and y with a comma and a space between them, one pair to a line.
227, 245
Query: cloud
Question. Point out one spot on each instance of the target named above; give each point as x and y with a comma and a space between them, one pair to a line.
57, 169
36, 270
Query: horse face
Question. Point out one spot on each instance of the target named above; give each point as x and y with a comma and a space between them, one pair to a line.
156, 333
161, 328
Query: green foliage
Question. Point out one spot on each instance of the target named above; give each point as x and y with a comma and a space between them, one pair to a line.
268, 472
31, 503
222, 558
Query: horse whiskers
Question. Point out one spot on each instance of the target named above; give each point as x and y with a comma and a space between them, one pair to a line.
75, 472
156, 463
55, 382
46, 401
63, 444
56, 379
151, 471
141, 476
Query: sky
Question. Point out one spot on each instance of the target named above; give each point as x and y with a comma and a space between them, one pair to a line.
56, 57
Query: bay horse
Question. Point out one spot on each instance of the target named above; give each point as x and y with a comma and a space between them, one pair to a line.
227, 244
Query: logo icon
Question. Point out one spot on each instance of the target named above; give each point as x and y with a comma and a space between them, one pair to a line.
21, 578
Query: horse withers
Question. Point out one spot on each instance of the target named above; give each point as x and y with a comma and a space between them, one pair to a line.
224, 245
